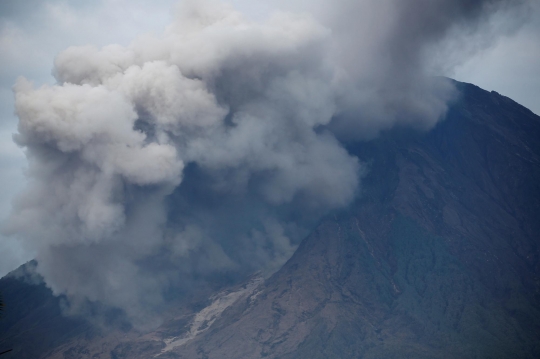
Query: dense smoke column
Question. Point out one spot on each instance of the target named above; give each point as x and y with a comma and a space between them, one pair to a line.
213, 149
179, 157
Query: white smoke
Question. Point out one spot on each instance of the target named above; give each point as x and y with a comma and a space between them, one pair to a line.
210, 149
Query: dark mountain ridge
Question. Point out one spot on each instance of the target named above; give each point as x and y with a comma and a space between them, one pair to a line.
438, 258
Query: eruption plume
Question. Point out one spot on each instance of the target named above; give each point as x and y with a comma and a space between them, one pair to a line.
213, 149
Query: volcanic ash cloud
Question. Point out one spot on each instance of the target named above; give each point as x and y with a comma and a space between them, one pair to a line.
210, 149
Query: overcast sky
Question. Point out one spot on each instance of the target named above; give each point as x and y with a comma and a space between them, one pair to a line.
33, 32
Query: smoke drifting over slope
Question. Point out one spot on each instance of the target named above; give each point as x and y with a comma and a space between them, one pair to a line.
214, 148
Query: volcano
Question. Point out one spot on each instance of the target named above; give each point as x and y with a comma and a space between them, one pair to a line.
439, 257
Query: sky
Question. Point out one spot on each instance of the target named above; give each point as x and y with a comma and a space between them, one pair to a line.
221, 83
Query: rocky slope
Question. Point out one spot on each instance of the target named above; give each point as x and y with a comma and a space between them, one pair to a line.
439, 258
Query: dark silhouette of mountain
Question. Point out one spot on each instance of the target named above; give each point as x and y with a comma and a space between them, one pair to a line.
32, 322
438, 258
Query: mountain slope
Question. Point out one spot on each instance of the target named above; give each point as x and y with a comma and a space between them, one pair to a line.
438, 258
33, 323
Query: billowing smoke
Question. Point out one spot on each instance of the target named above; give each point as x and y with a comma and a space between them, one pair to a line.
211, 151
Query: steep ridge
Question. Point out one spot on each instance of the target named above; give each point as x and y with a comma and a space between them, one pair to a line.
438, 258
